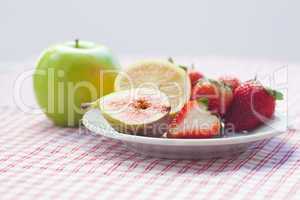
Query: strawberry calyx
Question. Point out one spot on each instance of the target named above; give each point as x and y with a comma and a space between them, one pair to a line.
203, 100
214, 82
274, 93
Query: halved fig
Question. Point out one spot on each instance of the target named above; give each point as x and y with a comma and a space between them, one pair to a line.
141, 111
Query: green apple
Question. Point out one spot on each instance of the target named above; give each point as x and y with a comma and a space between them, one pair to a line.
70, 74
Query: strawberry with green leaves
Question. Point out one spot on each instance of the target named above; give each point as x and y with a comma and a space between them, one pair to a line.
218, 95
194, 75
252, 106
230, 81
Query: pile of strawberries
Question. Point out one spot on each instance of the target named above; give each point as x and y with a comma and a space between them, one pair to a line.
240, 106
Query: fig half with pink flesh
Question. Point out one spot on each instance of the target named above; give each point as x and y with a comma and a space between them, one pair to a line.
141, 111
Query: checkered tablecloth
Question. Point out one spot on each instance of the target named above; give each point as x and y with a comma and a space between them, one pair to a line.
41, 161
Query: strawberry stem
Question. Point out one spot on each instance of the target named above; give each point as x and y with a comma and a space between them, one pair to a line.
193, 66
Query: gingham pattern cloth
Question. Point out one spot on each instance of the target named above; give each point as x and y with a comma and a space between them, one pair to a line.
41, 161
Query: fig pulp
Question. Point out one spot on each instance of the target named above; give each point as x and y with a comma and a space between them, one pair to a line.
141, 111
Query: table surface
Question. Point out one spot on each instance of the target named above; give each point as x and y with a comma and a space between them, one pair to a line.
39, 160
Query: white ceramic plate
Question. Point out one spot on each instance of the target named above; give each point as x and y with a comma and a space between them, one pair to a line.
185, 148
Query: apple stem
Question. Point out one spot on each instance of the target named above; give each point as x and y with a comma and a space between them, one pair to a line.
76, 43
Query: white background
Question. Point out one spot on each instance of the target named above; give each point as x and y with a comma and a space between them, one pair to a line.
239, 37
267, 29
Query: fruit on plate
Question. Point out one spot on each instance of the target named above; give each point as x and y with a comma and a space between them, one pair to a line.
157, 74
218, 95
194, 121
231, 81
69, 74
195, 76
253, 105
141, 111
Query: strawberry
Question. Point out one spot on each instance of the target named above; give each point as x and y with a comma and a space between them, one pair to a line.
195, 76
218, 95
231, 81
194, 121
252, 105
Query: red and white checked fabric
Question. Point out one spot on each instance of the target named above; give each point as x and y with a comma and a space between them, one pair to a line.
41, 161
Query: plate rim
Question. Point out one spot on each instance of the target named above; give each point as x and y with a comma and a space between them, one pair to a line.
181, 142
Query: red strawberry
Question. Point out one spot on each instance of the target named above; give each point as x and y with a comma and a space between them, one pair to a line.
218, 95
195, 76
231, 81
194, 121
252, 105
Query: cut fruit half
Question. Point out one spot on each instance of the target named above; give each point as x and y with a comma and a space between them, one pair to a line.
141, 111
194, 121
156, 74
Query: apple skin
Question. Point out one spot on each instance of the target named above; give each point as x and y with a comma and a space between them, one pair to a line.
70, 74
